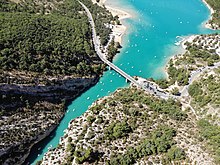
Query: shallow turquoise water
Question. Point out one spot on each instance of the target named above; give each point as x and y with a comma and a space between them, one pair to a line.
147, 45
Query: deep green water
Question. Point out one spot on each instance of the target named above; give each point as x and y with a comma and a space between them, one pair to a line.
147, 46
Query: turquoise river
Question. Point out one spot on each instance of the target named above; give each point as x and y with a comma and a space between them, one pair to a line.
147, 45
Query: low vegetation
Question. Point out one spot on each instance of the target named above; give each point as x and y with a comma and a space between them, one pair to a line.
210, 135
159, 141
205, 93
140, 129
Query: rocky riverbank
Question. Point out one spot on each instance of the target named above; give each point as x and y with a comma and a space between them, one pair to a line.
29, 112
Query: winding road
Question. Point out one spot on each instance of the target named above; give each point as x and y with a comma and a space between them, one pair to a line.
194, 75
96, 41
97, 45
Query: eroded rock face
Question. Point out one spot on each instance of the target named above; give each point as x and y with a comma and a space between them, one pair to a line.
30, 110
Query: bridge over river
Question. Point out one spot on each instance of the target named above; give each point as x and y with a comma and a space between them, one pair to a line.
101, 55
97, 44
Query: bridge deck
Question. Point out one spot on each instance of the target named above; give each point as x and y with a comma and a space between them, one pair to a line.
101, 55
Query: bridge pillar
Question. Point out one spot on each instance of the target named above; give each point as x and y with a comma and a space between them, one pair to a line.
126, 80
109, 68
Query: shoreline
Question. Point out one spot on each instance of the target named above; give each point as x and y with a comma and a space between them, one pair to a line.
190, 38
209, 7
206, 25
212, 11
118, 31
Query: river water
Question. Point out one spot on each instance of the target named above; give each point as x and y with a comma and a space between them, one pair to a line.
147, 46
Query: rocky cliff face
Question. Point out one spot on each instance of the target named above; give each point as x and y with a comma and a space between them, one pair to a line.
31, 107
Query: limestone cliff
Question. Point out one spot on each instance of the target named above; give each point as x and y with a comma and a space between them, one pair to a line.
29, 112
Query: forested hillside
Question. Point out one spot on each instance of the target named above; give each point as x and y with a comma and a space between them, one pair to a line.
145, 130
47, 44
47, 59
57, 43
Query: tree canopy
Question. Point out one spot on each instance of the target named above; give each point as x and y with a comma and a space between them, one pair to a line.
50, 40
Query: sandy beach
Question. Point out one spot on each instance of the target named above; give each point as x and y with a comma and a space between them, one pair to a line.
207, 24
115, 11
209, 7
118, 30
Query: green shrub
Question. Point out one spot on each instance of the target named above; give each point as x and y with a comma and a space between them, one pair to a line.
175, 153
